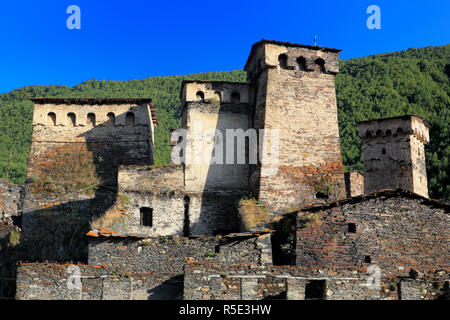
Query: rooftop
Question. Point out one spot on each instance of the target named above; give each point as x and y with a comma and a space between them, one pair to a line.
212, 81
107, 233
385, 193
403, 117
91, 100
288, 44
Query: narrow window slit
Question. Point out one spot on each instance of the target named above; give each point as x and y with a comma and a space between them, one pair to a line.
146, 216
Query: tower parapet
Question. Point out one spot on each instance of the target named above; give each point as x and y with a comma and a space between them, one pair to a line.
267, 54
215, 92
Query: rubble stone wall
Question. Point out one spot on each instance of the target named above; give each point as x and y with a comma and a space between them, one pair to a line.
169, 254
213, 282
394, 231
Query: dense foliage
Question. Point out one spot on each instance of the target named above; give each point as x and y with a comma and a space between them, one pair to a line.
415, 81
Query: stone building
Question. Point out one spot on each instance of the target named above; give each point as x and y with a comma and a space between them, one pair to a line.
76, 149
394, 153
138, 231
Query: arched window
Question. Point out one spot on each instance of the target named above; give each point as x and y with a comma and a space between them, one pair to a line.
379, 133
71, 119
282, 61
301, 63
51, 119
91, 120
388, 133
368, 134
111, 119
235, 97
320, 64
399, 131
129, 119
200, 95
218, 96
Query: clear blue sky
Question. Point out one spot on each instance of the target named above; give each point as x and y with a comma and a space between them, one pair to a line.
135, 39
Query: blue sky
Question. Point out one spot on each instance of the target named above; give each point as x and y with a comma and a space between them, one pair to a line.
135, 39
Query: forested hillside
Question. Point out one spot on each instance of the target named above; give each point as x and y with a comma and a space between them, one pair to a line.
415, 81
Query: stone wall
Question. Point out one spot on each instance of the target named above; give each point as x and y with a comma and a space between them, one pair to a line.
213, 213
208, 281
397, 231
160, 188
9, 240
138, 269
11, 196
213, 282
150, 178
49, 282
111, 135
10, 200
168, 254
206, 168
354, 184
295, 94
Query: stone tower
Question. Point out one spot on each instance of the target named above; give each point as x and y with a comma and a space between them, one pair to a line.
217, 105
394, 155
214, 185
76, 149
295, 94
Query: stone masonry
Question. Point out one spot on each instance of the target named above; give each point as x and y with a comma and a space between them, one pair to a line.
354, 184
394, 154
77, 146
95, 202
295, 95
395, 230
216, 282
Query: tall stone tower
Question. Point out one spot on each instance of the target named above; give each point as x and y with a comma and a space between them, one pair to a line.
295, 94
214, 184
394, 154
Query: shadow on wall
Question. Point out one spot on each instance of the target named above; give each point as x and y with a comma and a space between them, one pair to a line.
225, 184
171, 289
55, 232
8, 260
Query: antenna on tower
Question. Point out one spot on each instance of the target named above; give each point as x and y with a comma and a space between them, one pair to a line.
315, 41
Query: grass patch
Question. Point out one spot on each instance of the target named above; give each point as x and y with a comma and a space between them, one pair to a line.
253, 213
14, 238
306, 219
69, 171
110, 219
